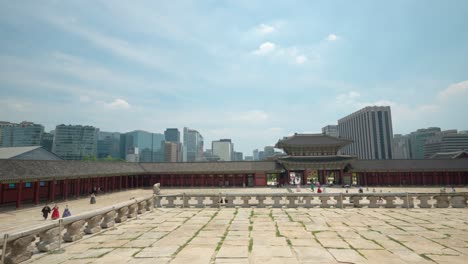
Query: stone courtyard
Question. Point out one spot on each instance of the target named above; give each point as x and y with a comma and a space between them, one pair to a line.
264, 235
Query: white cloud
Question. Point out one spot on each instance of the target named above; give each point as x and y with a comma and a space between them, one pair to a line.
265, 29
347, 98
301, 59
253, 116
118, 104
265, 48
332, 37
455, 89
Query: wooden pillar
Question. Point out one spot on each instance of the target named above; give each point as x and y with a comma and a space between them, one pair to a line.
224, 180
193, 183
113, 183
1, 193
65, 190
446, 178
244, 176
77, 188
459, 179
212, 180
126, 182
19, 196
52, 190
36, 191
135, 179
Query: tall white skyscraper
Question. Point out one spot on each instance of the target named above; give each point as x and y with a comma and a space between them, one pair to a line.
371, 130
223, 149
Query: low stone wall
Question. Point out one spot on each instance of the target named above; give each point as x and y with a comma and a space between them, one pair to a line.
18, 246
311, 200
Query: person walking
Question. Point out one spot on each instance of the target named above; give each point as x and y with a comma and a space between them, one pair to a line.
55, 212
93, 199
45, 212
66, 212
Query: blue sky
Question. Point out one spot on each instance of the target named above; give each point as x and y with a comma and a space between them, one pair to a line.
252, 71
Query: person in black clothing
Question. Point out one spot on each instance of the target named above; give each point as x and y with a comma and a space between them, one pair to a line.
45, 211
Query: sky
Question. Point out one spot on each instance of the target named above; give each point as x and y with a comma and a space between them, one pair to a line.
251, 71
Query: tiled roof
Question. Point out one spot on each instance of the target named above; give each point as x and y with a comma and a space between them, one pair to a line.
10, 152
213, 167
313, 140
410, 165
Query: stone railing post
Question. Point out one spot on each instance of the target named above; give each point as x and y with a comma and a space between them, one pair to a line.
108, 219
458, 201
291, 201
185, 200
170, 201
199, 200
373, 201
214, 201
93, 225
308, 201
389, 201
230, 201
17, 250
149, 205
339, 201
132, 210
276, 201
408, 201
442, 201
157, 201
324, 201
245, 200
49, 239
356, 201
141, 207
261, 201
122, 214
74, 232
423, 201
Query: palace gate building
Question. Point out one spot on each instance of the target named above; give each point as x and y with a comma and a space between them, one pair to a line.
308, 157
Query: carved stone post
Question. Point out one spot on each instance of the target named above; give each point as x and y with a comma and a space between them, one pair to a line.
74, 232
200, 200
245, 200
132, 210
356, 200
149, 205
93, 224
170, 201
408, 201
230, 201
442, 201
261, 201
424, 201
141, 207
458, 201
373, 201
291, 201
122, 214
185, 201
308, 201
324, 201
108, 220
157, 201
214, 201
389, 201
276, 201
17, 250
339, 201
48, 239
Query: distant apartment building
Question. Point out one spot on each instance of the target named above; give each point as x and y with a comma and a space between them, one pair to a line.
417, 140
108, 145
23, 134
330, 130
255, 154
75, 142
401, 147
170, 151
193, 145
223, 148
445, 142
238, 156
142, 146
47, 141
208, 156
173, 135
371, 131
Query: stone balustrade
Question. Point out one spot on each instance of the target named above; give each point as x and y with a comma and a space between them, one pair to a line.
311, 200
19, 246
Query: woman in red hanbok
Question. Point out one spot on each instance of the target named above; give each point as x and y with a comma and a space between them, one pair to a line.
55, 212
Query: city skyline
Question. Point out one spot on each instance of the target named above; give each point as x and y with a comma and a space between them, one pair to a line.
250, 72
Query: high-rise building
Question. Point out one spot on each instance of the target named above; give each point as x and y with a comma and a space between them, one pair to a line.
170, 151
193, 145
108, 145
172, 135
371, 131
401, 147
223, 148
47, 141
143, 146
24, 134
255, 154
444, 142
238, 156
330, 130
75, 142
268, 151
418, 138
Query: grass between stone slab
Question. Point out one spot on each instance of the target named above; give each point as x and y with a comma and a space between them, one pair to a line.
351, 246
250, 244
426, 257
